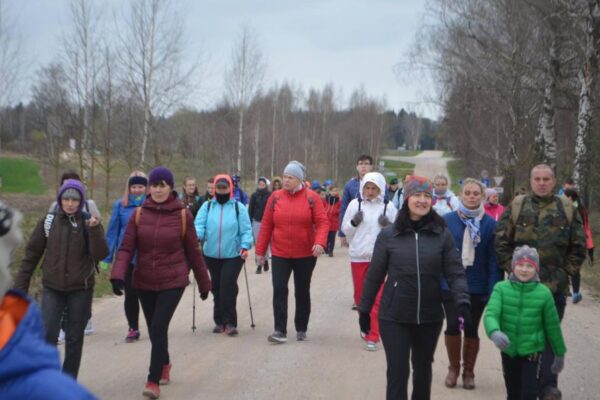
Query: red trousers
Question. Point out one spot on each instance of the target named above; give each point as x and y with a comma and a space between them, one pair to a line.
359, 272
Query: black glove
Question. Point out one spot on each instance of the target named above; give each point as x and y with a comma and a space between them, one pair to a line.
117, 286
357, 219
364, 321
464, 314
383, 220
204, 295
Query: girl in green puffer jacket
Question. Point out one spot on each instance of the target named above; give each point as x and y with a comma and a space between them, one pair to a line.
520, 316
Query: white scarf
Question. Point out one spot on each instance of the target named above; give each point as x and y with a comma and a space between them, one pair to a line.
468, 246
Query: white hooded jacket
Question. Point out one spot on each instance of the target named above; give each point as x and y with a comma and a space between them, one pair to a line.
362, 237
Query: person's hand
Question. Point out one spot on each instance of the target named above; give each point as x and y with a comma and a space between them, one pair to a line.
500, 340
93, 221
344, 241
117, 286
317, 250
260, 260
204, 295
464, 316
244, 254
357, 219
383, 220
104, 266
364, 321
558, 365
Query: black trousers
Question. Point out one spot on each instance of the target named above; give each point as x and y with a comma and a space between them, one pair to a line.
282, 269
78, 307
132, 303
159, 308
520, 376
224, 274
452, 324
547, 378
404, 342
576, 282
331, 241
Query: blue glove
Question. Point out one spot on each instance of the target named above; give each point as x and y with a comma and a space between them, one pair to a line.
558, 364
500, 340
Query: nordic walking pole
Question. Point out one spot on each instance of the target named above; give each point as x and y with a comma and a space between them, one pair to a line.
248, 291
194, 305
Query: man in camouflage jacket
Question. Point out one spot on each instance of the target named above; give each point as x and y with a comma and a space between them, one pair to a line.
559, 238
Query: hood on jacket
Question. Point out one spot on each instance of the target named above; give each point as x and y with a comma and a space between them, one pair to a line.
229, 182
377, 179
71, 184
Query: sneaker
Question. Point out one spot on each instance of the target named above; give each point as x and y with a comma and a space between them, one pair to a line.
165, 376
371, 346
132, 336
277, 337
219, 329
231, 330
552, 393
259, 270
89, 328
577, 297
266, 267
354, 307
61, 337
151, 390
301, 336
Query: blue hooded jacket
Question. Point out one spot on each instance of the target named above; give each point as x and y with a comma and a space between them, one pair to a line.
223, 232
30, 367
117, 224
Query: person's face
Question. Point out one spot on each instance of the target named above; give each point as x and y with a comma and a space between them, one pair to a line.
322, 194
394, 187
261, 185
568, 186
190, 186
333, 192
440, 185
542, 182
160, 192
419, 205
137, 190
370, 191
222, 189
472, 196
493, 198
69, 206
290, 182
362, 167
524, 271
276, 185
210, 188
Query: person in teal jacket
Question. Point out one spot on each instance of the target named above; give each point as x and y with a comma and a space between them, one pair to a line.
520, 317
223, 226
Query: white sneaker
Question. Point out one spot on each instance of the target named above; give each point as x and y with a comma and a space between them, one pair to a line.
89, 328
371, 346
61, 337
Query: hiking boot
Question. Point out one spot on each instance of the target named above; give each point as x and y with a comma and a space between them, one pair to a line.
231, 330
165, 376
266, 267
552, 393
371, 346
301, 336
277, 337
259, 270
577, 297
89, 328
219, 329
151, 390
132, 336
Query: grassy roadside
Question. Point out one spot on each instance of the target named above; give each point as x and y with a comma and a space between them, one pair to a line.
456, 173
401, 168
21, 175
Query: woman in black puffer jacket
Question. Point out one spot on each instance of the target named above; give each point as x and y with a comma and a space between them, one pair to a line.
413, 253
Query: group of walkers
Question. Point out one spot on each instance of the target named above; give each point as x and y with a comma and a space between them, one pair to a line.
419, 255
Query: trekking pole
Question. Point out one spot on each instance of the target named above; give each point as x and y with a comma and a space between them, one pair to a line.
194, 305
248, 291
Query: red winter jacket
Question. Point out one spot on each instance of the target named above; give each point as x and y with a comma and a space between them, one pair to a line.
162, 254
333, 212
293, 224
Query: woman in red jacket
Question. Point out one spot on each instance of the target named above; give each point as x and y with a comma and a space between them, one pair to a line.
296, 224
161, 232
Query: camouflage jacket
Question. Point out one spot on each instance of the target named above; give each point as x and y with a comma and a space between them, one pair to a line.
543, 224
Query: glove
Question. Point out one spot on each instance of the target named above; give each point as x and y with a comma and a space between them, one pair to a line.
357, 219
383, 220
558, 364
104, 266
501, 340
464, 316
204, 295
117, 286
591, 255
364, 321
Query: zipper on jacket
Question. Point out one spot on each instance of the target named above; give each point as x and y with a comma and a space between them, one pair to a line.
220, 229
519, 318
418, 279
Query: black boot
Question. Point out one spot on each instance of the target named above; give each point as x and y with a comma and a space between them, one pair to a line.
266, 267
258, 270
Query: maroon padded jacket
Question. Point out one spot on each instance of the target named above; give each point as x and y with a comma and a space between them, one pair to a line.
164, 258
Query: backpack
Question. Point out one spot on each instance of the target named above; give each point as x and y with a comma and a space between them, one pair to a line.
385, 204
49, 222
564, 204
138, 214
434, 200
237, 208
311, 201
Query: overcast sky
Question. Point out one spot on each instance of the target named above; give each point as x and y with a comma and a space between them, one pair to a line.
310, 43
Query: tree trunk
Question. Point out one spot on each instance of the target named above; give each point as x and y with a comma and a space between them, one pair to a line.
545, 138
273, 136
240, 139
257, 148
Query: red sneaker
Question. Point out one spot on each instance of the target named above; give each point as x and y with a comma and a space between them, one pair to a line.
165, 377
151, 390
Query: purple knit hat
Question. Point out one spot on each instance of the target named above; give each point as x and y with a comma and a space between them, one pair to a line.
160, 174
72, 184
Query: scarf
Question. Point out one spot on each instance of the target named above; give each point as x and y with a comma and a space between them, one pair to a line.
136, 201
472, 235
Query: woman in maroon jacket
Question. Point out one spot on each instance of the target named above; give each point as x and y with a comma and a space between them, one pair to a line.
296, 224
162, 233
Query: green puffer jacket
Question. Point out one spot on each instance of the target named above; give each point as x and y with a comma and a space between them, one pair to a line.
526, 313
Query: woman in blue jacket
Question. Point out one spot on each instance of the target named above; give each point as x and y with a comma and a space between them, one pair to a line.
134, 196
223, 226
473, 233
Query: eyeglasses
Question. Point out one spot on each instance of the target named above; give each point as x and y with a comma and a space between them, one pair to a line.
364, 163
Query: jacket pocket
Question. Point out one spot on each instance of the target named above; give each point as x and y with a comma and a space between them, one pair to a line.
389, 292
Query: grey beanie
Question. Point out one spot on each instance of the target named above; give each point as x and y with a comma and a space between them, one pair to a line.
295, 169
528, 255
71, 194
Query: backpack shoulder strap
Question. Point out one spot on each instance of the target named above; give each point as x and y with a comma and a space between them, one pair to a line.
385, 204
48, 222
515, 208
237, 209
568, 208
183, 223
138, 213
275, 198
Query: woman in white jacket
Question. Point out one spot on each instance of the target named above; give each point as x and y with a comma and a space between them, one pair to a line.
363, 220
